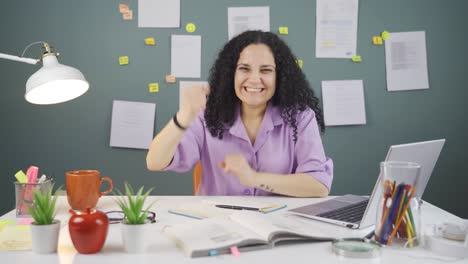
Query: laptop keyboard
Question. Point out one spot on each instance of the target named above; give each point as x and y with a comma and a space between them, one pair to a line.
352, 213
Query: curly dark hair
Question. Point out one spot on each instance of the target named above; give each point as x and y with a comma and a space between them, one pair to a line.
293, 92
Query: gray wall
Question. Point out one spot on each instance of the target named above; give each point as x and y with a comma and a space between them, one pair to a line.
91, 35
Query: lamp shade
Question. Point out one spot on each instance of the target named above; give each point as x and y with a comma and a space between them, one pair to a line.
55, 83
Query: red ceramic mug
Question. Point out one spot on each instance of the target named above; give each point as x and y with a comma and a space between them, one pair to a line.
83, 188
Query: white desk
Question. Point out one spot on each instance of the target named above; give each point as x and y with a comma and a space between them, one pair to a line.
163, 250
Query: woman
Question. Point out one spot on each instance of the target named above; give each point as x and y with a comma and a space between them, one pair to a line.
255, 129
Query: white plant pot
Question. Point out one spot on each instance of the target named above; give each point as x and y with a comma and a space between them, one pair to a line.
134, 237
45, 237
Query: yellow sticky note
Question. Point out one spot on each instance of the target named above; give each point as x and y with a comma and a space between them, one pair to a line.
283, 30
123, 8
190, 27
170, 79
300, 63
21, 177
385, 35
153, 87
123, 60
4, 223
377, 40
356, 58
150, 41
127, 15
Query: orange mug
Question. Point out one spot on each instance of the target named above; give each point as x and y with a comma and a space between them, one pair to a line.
83, 188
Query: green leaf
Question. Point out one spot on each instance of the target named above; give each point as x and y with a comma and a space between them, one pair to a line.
132, 203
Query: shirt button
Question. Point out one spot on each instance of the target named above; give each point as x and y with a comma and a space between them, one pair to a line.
246, 192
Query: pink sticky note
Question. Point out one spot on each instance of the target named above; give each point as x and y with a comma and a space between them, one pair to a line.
25, 221
235, 251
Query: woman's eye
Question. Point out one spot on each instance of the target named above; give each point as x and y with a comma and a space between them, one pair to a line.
243, 69
266, 70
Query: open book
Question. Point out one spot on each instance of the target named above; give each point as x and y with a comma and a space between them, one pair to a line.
245, 230
209, 208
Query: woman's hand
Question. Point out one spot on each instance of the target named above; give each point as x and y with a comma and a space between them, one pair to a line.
238, 165
193, 100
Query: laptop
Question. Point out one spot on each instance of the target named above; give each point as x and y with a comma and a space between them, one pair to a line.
359, 212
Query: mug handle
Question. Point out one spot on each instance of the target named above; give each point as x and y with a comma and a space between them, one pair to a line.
111, 186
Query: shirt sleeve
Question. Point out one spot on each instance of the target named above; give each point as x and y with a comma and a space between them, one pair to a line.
309, 152
188, 151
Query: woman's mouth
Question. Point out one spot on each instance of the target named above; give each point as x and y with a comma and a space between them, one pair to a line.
253, 90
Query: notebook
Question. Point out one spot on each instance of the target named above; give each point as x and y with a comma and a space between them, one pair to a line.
358, 212
224, 206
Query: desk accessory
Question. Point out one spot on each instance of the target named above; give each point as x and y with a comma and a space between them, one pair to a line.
356, 248
398, 216
448, 239
54, 82
45, 228
135, 223
88, 230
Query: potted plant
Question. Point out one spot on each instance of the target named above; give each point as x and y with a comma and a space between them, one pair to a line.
45, 228
134, 224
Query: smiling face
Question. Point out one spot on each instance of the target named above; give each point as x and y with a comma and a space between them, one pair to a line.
255, 76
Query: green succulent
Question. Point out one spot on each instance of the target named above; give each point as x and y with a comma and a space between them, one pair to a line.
131, 204
43, 207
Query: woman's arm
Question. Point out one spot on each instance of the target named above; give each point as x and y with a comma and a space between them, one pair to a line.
164, 145
296, 184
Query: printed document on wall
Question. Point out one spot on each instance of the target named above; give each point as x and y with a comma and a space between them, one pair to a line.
336, 32
188, 84
241, 19
159, 13
343, 103
132, 124
406, 61
186, 56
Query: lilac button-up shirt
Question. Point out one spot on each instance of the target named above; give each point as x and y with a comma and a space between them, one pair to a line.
274, 151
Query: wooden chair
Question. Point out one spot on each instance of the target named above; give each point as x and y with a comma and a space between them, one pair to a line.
197, 176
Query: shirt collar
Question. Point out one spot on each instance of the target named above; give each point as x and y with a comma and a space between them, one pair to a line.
271, 119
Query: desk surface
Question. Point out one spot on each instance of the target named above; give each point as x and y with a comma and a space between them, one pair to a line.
163, 250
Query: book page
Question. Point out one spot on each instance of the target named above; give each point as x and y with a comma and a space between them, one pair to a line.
199, 237
276, 227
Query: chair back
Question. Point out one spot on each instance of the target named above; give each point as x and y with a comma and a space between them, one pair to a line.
197, 177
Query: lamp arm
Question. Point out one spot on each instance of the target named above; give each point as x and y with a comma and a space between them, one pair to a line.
16, 58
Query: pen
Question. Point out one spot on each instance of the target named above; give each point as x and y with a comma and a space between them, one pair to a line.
235, 207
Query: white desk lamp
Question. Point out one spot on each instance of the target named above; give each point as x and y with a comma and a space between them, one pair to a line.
54, 82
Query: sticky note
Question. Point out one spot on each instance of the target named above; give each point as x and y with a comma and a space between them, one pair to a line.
385, 35
123, 8
377, 40
300, 63
150, 41
356, 58
283, 30
123, 60
153, 87
170, 79
4, 223
213, 252
190, 27
235, 251
127, 15
21, 177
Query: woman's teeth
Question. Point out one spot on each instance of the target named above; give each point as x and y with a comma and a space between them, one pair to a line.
253, 90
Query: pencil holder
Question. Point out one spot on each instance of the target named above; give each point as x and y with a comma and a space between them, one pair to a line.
24, 193
398, 221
